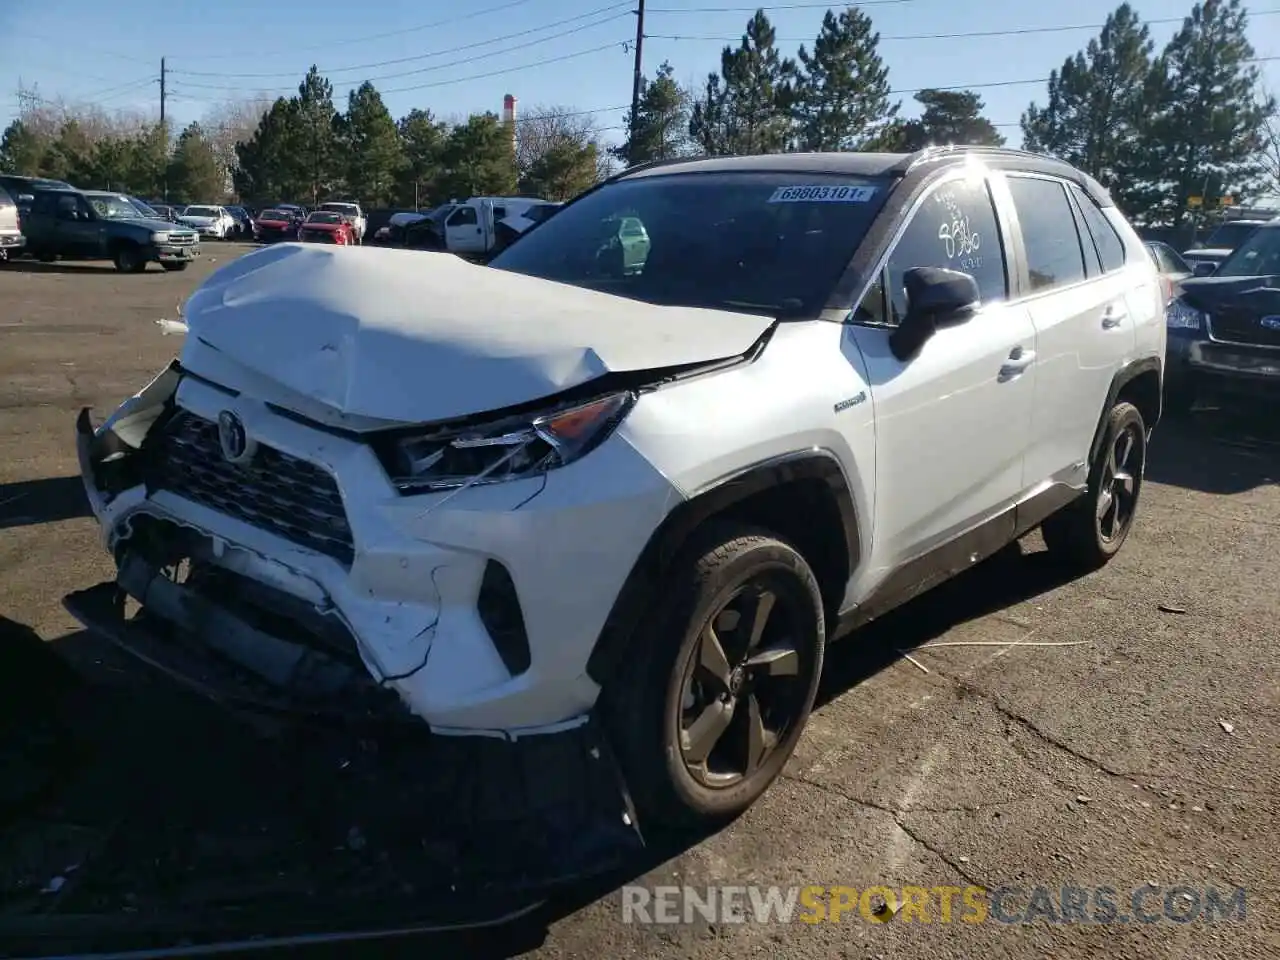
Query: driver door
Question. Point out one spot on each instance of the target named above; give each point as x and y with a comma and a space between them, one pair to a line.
953, 423
462, 231
79, 232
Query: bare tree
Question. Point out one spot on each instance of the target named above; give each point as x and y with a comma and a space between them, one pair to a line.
547, 127
231, 122
1269, 157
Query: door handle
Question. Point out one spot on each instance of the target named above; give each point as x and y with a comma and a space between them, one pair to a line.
1019, 360
1113, 317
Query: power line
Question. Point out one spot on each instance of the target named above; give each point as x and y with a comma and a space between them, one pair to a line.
382, 36
619, 44
431, 69
825, 4
954, 36
435, 53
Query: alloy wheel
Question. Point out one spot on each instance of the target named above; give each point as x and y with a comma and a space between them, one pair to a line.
745, 684
1119, 483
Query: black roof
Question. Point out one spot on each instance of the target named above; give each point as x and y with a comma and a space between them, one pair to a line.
874, 164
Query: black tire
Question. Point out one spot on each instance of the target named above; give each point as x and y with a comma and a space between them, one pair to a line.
651, 706
128, 258
1089, 532
175, 267
46, 257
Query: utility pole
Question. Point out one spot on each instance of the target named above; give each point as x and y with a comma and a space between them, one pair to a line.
637, 77
164, 130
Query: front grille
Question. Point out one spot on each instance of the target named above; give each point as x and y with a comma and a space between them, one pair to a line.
182, 239
1242, 326
276, 492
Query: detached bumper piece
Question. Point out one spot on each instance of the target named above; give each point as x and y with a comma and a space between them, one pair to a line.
402, 828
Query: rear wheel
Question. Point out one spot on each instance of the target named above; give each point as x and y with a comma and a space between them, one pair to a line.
1091, 531
724, 679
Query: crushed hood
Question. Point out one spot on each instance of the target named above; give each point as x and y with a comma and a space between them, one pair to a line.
417, 337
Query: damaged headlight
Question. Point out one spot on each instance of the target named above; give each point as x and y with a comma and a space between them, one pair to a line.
513, 448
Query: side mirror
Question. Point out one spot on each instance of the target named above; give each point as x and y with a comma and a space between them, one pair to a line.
936, 297
1205, 268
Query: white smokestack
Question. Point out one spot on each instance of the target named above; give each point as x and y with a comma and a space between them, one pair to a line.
509, 117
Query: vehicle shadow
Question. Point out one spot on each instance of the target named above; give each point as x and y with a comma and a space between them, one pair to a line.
79, 268
132, 766
48, 500
1222, 450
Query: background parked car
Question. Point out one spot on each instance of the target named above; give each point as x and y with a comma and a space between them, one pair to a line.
328, 226
166, 211
428, 233
11, 239
209, 220
353, 212
273, 225
1205, 258
22, 190
97, 225
393, 231
1173, 269
243, 228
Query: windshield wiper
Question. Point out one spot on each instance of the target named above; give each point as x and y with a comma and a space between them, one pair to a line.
788, 306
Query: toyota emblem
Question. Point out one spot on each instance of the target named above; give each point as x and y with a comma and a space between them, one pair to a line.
233, 439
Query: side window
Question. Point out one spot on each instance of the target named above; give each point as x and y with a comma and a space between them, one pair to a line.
1054, 255
1092, 262
955, 228
1108, 243
463, 216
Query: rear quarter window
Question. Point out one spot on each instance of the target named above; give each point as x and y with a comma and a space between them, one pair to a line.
1106, 240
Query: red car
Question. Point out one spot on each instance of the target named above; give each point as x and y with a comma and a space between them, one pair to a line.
325, 227
273, 225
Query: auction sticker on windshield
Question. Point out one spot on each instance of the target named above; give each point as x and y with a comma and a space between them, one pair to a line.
819, 194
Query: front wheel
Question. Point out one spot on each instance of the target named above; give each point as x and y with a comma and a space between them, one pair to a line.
1089, 532
129, 259
725, 673
175, 267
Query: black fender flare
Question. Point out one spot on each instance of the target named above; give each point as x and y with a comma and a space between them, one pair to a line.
676, 529
1128, 373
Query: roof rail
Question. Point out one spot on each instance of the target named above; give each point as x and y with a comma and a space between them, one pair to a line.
929, 154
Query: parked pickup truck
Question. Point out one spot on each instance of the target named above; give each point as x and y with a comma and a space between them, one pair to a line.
95, 225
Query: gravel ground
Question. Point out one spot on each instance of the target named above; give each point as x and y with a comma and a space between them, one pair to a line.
1139, 750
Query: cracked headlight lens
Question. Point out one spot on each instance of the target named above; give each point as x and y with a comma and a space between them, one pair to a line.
1182, 316
513, 448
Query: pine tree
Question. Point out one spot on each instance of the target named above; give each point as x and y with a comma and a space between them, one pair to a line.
194, 171
22, 150
1207, 126
746, 109
1096, 111
479, 159
372, 145
660, 128
842, 88
422, 139
949, 116
317, 131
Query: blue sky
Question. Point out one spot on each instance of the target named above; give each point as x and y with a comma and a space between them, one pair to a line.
109, 53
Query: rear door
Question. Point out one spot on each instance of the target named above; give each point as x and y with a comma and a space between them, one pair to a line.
1075, 291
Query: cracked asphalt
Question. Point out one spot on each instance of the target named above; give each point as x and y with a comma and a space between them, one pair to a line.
1112, 731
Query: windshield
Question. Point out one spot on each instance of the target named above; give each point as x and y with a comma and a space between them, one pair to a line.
770, 242
273, 215
147, 211
347, 208
1259, 256
200, 212
1230, 235
325, 218
115, 208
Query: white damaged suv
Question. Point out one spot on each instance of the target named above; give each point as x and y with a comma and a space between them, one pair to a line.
633, 485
